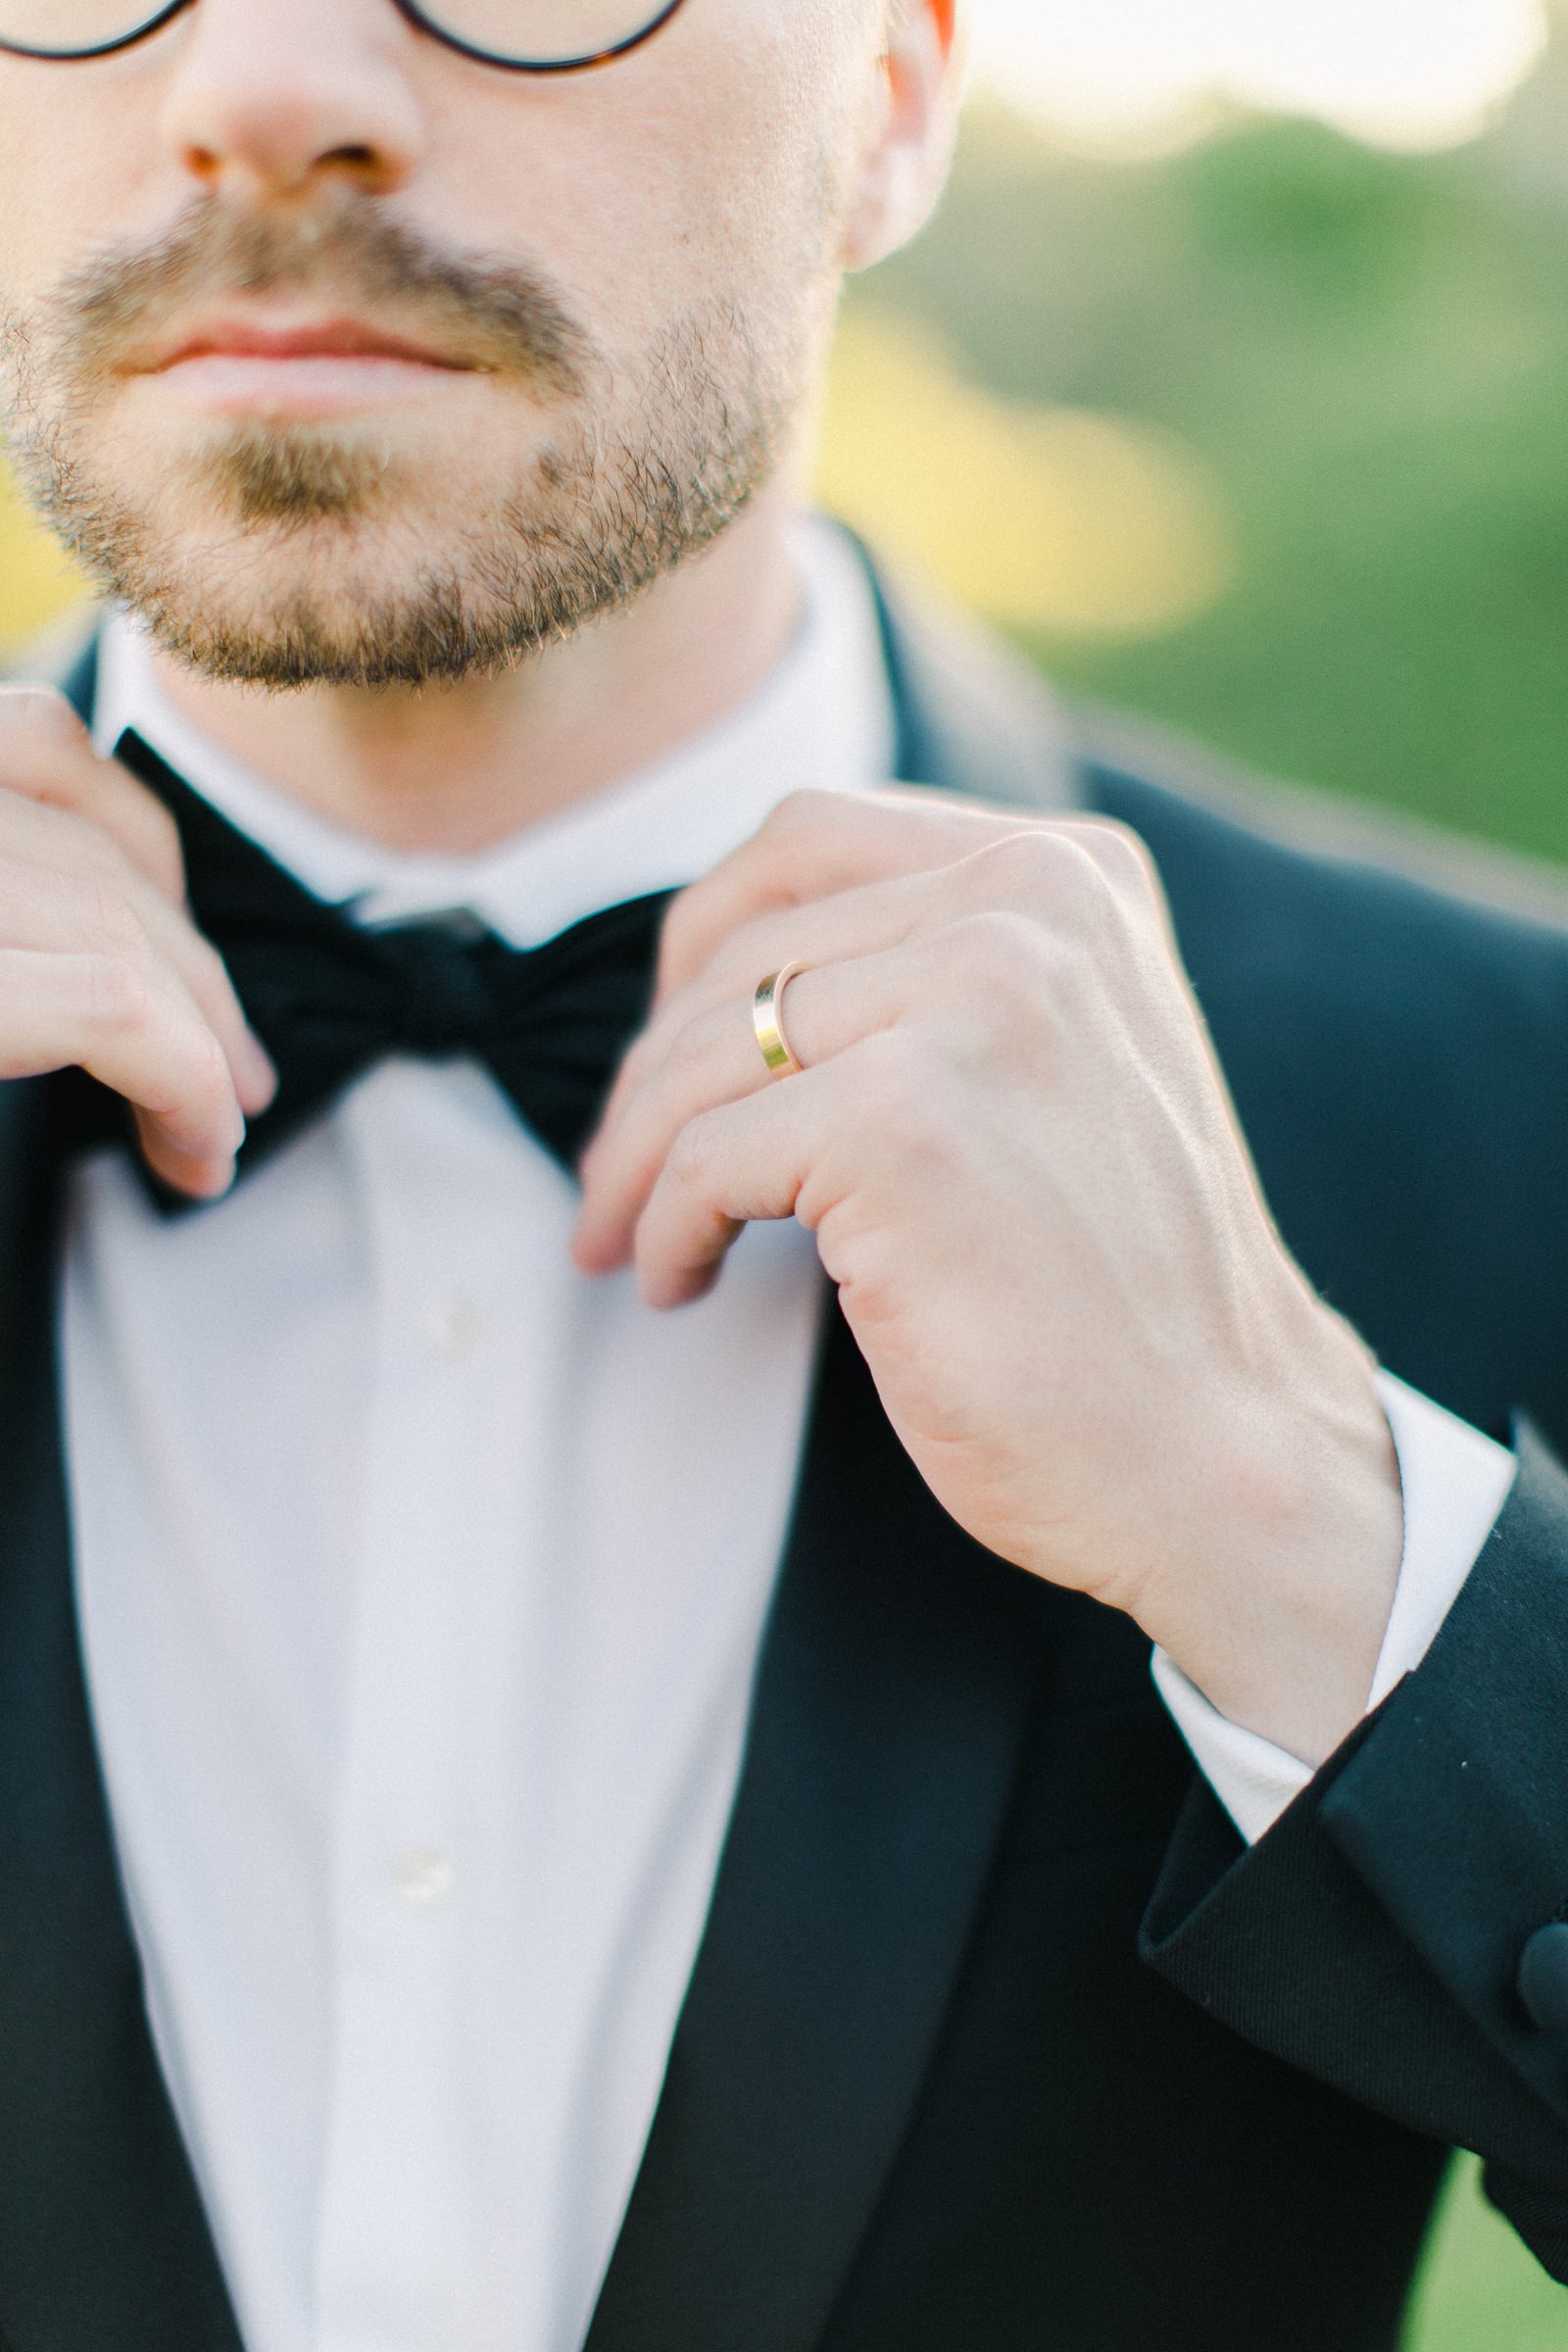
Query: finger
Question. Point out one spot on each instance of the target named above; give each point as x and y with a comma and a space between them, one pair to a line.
204, 973
743, 1161
716, 1060
817, 845
65, 885
134, 1027
864, 921
1039, 870
203, 1178
47, 756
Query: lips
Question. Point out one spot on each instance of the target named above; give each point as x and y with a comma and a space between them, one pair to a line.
278, 370
280, 340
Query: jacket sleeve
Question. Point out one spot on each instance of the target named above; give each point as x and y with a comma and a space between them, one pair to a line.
1374, 1936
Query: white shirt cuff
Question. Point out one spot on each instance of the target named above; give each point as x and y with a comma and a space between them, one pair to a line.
1454, 1483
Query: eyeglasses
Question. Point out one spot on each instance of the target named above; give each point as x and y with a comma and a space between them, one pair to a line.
524, 36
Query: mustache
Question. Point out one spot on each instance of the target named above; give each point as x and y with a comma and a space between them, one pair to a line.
496, 312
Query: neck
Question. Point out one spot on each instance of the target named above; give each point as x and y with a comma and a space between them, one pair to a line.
455, 768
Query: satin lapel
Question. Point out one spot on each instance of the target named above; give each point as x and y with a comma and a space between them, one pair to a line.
103, 2241
891, 1698
974, 717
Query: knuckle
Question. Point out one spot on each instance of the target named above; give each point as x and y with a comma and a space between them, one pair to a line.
1028, 865
121, 996
997, 948
1084, 880
1120, 854
691, 1155
802, 810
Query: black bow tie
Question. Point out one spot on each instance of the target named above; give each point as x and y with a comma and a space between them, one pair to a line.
329, 999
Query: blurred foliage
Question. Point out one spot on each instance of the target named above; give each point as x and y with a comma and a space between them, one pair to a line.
1479, 2292
1364, 357
1038, 517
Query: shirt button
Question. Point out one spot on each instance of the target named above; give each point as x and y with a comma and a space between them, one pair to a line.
424, 1877
454, 1325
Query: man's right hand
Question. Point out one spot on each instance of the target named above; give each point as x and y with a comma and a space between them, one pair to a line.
100, 965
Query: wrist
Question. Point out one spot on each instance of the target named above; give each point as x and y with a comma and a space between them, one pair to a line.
1280, 1623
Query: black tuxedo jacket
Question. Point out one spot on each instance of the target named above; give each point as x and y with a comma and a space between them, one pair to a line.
996, 2040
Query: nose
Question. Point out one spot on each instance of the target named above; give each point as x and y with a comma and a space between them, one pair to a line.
274, 98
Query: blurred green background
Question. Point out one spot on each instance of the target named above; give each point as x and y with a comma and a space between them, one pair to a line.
1479, 2290
1266, 437
1344, 375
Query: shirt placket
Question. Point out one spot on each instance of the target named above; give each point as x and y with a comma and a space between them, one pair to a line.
391, 2255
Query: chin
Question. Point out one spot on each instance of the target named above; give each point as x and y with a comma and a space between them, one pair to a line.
371, 603
374, 555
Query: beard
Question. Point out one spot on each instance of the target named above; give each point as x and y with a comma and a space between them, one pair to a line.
320, 551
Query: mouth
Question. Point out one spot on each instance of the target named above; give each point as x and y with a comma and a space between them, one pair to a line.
297, 368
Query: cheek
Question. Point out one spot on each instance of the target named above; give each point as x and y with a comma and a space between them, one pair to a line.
74, 161
32, 198
694, 172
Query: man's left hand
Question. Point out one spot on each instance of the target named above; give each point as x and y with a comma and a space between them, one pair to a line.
1014, 1143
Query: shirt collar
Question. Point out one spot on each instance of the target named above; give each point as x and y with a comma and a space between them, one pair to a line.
824, 720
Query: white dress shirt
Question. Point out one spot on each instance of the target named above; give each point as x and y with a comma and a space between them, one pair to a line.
422, 1583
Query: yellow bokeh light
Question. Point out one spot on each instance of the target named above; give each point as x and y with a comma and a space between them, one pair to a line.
1054, 519
38, 583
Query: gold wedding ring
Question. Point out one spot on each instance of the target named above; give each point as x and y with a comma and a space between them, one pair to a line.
767, 1019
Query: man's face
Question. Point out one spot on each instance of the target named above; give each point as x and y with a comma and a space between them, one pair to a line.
586, 312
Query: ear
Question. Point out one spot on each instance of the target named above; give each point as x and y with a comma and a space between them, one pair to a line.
910, 141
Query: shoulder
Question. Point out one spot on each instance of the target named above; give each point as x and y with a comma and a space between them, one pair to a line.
1321, 915
1318, 918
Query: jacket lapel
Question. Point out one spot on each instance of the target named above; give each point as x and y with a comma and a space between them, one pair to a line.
102, 2236
973, 718
891, 1701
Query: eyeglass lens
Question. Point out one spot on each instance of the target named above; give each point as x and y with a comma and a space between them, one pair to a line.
541, 35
